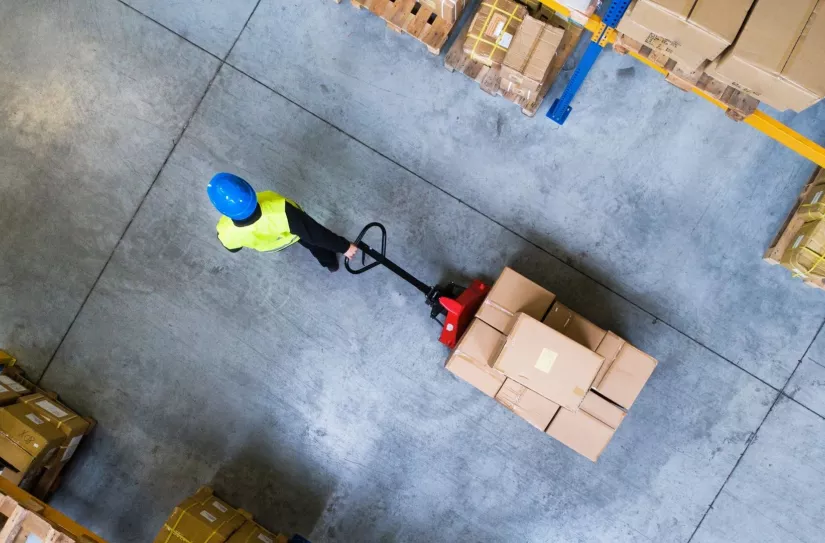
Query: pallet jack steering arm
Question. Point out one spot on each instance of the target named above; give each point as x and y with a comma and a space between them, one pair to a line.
455, 303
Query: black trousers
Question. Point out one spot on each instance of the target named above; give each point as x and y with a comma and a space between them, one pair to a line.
324, 244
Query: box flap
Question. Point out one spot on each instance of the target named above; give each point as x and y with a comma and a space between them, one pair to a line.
581, 432
604, 410
627, 376
513, 293
529, 405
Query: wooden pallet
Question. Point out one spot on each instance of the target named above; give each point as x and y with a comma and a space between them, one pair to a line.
791, 226
490, 78
739, 105
413, 18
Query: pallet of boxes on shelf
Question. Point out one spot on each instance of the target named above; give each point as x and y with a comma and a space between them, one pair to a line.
514, 50
428, 21
550, 366
38, 434
205, 518
800, 244
741, 52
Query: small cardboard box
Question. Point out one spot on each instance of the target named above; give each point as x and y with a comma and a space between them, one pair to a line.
449, 10
203, 518
548, 362
252, 532
472, 360
805, 256
574, 326
492, 30
7, 395
529, 57
582, 432
27, 441
626, 376
609, 348
529, 405
512, 294
70, 423
13, 385
602, 409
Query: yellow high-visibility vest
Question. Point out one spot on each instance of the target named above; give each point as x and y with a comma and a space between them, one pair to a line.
269, 233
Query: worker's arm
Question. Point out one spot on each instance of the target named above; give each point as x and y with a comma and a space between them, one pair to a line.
227, 248
313, 233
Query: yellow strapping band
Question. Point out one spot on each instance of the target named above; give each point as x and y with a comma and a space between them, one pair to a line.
174, 529
493, 8
820, 259
221, 525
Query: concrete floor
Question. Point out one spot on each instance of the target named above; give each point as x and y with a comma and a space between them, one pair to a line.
319, 402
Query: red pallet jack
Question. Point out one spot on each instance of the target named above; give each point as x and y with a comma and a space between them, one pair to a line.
457, 304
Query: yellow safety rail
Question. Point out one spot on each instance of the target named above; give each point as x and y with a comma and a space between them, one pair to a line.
758, 120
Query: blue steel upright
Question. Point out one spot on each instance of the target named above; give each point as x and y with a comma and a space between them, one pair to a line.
561, 108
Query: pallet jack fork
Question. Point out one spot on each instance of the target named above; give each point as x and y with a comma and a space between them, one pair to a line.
457, 304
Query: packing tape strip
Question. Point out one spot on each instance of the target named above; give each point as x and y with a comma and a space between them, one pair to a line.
500, 308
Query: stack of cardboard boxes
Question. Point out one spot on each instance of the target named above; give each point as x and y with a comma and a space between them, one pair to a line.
769, 49
205, 518
549, 365
805, 255
449, 10
38, 434
504, 36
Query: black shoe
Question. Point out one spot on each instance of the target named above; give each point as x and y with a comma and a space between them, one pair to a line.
333, 267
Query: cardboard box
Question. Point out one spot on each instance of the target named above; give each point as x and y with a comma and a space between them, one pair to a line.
200, 519
777, 57
528, 60
609, 348
689, 60
27, 441
626, 376
67, 421
706, 27
449, 10
603, 410
574, 326
472, 360
548, 362
529, 405
492, 30
252, 532
582, 432
7, 395
512, 294
806, 255
13, 385
812, 208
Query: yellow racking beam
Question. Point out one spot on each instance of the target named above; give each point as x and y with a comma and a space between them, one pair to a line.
758, 120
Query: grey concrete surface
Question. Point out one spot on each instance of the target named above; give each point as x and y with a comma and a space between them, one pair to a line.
650, 192
319, 402
92, 96
775, 495
211, 24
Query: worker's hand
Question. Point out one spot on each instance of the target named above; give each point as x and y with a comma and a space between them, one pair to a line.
351, 252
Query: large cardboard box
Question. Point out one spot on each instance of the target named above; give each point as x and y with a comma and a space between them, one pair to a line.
685, 58
548, 362
529, 405
27, 441
473, 357
777, 57
706, 27
449, 10
492, 31
252, 532
582, 432
512, 294
529, 57
626, 376
203, 518
67, 421
806, 255
562, 319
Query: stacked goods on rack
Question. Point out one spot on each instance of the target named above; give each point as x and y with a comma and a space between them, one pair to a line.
800, 244
205, 518
38, 434
513, 51
24, 518
770, 50
429, 21
552, 367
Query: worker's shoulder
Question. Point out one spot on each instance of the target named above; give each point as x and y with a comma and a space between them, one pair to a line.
269, 196
224, 222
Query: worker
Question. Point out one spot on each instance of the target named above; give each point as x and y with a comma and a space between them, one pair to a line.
267, 221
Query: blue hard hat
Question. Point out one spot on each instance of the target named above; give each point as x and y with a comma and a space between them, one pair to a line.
232, 196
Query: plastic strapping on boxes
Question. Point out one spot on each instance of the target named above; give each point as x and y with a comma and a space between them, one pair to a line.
479, 39
819, 260
173, 530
